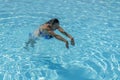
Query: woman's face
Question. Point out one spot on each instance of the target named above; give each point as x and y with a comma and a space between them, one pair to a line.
55, 25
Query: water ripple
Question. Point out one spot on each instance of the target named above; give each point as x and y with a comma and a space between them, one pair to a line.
94, 25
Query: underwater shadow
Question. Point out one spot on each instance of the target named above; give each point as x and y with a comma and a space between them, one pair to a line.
74, 73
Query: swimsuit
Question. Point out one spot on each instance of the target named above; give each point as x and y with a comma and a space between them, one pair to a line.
46, 36
42, 34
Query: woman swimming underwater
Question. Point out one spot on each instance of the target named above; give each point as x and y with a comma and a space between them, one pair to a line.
47, 31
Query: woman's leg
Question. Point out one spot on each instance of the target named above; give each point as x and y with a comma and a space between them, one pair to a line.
30, 41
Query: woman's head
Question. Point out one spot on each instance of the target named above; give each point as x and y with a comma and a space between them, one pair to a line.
53, 21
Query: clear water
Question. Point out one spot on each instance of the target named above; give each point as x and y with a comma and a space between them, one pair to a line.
95, 25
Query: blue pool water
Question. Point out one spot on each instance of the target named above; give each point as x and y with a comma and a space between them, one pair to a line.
94, 24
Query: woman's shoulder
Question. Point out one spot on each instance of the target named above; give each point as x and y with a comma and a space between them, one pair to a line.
45, 27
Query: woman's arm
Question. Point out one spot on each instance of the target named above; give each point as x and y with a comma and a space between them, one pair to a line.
59, 37
65, 33
68, 35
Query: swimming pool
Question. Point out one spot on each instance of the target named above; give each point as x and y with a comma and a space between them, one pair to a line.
95, 25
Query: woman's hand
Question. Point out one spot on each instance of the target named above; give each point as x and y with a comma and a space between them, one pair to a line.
67, 45
72, 42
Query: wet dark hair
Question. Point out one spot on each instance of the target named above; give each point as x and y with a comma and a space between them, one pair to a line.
53, 21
